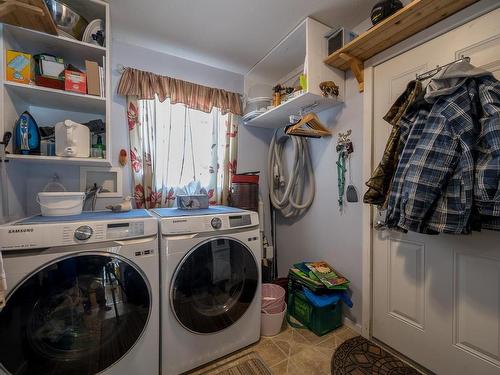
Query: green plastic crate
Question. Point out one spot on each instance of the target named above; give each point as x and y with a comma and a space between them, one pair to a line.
320, 320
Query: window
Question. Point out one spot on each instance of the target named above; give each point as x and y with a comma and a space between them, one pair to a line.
189, 149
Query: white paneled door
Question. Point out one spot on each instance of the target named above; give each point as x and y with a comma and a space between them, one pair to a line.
436, 299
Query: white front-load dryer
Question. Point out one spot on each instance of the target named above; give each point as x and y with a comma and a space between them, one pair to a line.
83, 295
210, 277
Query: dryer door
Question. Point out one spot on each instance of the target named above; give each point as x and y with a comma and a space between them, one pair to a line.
214, 285
78, 315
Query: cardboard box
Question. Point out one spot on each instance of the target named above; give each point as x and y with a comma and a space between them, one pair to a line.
93, 81
48, 65
19, 67
75, 81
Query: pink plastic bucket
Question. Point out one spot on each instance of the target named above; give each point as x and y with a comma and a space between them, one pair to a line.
270, 324
273, 298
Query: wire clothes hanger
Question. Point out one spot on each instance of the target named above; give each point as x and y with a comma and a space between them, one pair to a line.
431, 73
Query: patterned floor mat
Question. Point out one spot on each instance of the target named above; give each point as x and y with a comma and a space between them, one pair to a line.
358, 356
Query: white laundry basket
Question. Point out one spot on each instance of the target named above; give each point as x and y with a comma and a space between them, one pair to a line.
61, 203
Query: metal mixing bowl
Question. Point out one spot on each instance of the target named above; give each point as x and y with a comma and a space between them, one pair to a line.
67, 19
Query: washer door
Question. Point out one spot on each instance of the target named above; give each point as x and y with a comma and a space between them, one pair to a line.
214, 285
78, 315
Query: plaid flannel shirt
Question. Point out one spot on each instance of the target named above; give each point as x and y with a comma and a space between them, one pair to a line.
451, 161
487, 175
411, 127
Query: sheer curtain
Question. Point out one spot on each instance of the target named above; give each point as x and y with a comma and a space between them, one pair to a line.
173, 146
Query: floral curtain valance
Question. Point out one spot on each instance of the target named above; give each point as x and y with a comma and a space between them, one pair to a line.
145, 85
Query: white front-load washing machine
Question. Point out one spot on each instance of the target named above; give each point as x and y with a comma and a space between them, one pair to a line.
83, 295
210, 284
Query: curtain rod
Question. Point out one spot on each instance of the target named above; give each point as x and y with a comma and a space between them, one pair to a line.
438, 68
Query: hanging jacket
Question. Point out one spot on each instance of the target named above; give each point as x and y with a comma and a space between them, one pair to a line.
412, 125
454, 163
379, 183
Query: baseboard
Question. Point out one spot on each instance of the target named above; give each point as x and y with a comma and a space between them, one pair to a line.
354, 326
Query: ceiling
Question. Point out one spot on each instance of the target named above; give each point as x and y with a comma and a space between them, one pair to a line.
228, 34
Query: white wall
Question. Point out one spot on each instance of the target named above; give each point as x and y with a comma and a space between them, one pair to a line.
324, 233
253, 146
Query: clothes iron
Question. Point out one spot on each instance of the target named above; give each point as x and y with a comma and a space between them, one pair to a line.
72, 139
26, 135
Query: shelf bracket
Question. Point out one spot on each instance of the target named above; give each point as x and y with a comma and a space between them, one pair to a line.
357, 68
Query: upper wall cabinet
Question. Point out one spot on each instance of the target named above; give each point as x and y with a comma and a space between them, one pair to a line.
300, 53
29, 84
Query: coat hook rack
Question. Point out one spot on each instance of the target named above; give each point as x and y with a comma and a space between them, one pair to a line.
431, 73
344, 138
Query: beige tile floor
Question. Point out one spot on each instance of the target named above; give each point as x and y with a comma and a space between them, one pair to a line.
293, 351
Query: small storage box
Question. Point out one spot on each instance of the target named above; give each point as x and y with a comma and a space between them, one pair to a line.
192, 202
19, 67
75, 81
320, 320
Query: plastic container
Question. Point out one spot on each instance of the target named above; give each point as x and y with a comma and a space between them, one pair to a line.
273, 298
274, 307
259, 104
61, 203
270, 324
245, 192
255, 107
319, 320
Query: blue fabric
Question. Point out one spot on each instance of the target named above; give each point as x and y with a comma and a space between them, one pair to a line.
86, 216
324, 300
214, 210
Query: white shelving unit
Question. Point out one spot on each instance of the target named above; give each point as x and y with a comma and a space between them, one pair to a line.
56, 160
53, 98
304, 49
50, 106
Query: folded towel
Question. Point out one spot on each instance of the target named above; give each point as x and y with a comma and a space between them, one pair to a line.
3, 284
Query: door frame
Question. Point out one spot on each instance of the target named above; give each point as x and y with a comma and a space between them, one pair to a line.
458, 19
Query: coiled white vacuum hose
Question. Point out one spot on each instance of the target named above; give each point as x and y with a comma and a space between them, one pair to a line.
286, 190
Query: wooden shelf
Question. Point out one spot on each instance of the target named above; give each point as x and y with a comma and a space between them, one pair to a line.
32, 14
413, 18
278, 117
59, 99
58, 160
71, 50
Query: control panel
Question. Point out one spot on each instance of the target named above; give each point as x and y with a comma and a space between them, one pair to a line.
209, 223
239, 221
67, 233
124, 230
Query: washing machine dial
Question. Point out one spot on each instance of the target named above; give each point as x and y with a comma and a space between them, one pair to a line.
216, 223
83, 233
